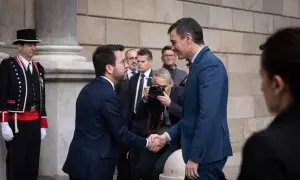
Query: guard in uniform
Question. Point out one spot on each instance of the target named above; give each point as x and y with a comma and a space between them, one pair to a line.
22, 108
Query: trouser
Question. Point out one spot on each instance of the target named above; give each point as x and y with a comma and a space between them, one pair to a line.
151, 164
23, 152
211, 171
123, 166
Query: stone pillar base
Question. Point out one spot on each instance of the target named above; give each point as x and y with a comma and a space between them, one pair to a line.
59, 53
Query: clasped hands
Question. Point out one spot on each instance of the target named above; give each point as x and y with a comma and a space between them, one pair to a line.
156, 142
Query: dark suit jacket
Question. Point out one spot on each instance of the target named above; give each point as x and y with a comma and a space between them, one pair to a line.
273, 154
139, 123
99, 130
203, 128
122, 89
132, 92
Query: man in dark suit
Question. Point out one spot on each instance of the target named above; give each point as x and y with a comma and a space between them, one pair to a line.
163, 112
99, 126
203, 128
138, 85
273, 153
122, 89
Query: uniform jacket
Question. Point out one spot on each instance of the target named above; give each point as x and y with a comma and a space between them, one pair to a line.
13, 89
203, 128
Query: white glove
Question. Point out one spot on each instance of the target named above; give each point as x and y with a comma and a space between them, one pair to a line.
7, 133
43, 133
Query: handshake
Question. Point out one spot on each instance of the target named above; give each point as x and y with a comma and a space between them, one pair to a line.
156, 142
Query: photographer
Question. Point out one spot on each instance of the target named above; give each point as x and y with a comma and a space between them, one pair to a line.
162, 100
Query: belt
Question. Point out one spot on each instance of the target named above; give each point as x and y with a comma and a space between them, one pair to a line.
26, 116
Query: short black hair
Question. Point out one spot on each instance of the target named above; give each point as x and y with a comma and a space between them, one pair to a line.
188, 25
166, 48
103, 56
145, 52
281, 56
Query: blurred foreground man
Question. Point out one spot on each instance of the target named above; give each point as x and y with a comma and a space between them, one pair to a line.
100, 129
273, 154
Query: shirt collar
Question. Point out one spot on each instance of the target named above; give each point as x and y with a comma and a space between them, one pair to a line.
112, 84
195, 55
24, 61
147, 73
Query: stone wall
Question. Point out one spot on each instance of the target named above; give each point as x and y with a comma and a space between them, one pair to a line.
233, 29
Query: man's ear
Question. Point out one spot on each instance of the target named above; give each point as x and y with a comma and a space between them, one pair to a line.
109, 68
278, 84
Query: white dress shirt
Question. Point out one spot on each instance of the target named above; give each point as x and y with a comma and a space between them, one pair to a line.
146, 79
130, 74
26, 63
195, 55
112, 84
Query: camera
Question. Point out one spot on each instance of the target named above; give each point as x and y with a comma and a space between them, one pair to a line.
156, 90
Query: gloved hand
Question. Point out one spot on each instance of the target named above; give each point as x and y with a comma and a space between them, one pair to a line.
7, 133
43, 133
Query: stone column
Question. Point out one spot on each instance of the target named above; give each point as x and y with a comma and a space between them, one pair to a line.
66, 73
2, 54
56, 26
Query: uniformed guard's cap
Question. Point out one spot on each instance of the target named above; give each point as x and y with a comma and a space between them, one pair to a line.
26, 36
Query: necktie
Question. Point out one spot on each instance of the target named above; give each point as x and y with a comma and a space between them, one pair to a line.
29, 68
140, 90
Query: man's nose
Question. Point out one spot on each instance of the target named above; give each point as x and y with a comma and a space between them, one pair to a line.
126, 65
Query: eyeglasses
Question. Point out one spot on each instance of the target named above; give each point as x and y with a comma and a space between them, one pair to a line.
132, 58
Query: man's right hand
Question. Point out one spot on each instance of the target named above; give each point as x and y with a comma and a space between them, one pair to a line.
7, 133
157, 141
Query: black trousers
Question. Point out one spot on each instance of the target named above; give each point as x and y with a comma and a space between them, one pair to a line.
151, 164
123, 166
23, 152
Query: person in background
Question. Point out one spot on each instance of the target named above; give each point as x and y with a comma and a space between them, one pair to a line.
169, 58
122, 89
163, 112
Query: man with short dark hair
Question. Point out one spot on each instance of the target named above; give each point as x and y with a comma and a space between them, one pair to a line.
169, 58
22, 108
138, 85
273, 153
203, 128
123, 91
100, 129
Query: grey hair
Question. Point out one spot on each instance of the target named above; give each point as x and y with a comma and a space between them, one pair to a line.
164, 73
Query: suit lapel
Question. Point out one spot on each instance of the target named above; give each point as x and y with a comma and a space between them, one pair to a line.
192, 70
